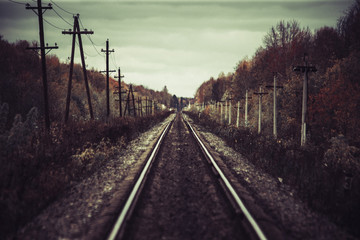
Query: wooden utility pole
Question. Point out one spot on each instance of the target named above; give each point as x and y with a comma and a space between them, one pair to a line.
39, 11
221, 113
274, 86
260, 93
107, 52
246, 108
139, 103
226, 113
305, 69
119, 76
129, 102
238, 114
230, 112
78, 32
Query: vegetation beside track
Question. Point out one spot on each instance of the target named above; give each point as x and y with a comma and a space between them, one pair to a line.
37, 167
326, 176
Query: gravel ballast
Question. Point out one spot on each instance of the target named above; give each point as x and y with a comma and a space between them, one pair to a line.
277, 199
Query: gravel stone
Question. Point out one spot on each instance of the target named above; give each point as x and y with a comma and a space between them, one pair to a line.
276, 198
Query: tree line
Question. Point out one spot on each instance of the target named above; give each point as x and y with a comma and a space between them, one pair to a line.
334, 99
21, 86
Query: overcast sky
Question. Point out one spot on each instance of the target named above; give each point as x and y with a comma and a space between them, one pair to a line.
175, 43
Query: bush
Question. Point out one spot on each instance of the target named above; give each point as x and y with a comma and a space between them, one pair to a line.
38, 166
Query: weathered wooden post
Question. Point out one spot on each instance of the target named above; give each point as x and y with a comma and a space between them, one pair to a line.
230, 112
305, 69
246, 109
274, 105
260, 93
238, 114
221, 113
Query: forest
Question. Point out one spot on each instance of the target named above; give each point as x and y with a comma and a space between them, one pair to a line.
38, 165
326, 171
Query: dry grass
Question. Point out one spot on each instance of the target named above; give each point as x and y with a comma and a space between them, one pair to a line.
37, 167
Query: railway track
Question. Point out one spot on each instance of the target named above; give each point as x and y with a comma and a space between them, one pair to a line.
178, 196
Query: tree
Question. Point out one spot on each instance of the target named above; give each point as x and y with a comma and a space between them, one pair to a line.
349, 27
327, 48
174, 103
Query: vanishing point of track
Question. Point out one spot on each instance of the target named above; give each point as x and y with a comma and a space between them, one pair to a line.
194, 180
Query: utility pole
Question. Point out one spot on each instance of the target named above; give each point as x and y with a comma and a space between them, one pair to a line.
305, 69
230, 111
274, 86
226, 113
107, 52
78, 32
221, 113
42, 48
139, 103
238, 114
119, 76
260, 93
128, 102
133, 100
246, 108
146, 106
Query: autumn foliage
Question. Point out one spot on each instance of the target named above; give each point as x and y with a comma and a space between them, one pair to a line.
37, 165
326, 171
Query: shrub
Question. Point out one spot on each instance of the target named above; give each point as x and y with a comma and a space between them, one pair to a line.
38, 166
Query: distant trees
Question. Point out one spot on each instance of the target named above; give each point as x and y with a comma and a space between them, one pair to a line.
21, 86
165, 97
174, 103
334, 97
349, 27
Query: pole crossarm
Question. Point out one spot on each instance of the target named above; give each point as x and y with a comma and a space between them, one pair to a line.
117, 92
272, 86
39, 8
304, 68
35, 49
77, 32
107, 51
39, 48
260, 93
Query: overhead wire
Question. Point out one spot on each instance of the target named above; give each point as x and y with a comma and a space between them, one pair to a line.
61, 8
92, 42
113, 59
51, 24
61, 17
17, 2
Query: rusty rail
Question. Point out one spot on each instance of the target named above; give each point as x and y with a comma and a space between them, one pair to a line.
135, 192
229, 188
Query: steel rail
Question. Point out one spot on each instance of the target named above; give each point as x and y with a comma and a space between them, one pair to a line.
136, 189
232, 191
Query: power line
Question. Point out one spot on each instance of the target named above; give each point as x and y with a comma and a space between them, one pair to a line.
52, 24
17, 2
92, 42
62, 17
113, 60
94, 46
62, 8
